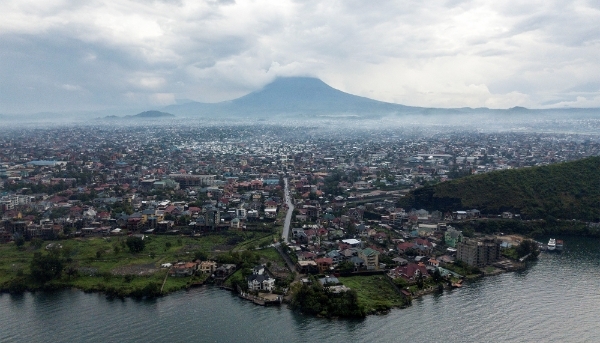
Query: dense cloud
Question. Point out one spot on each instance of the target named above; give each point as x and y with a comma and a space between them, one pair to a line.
60, 55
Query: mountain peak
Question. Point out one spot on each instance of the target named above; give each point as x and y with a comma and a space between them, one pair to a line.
294, 96
295, 93
297, 82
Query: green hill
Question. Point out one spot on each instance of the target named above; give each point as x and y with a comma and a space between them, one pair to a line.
569, 190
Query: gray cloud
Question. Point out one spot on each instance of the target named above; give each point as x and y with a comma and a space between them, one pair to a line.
72, 55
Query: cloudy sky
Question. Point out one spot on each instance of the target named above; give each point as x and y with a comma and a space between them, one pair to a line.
70, 55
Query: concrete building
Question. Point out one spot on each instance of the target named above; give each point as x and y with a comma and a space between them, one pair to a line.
478, 253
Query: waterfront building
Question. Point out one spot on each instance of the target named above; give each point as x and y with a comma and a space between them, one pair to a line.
478, 253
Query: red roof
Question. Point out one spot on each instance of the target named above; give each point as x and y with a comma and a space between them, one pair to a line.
324, 260
405, 246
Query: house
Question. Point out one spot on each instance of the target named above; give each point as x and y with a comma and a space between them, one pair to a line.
353, 243
324, 264
306, 267
362, 230
208, 267
380, 237
260, 280
403, 247
473, 213
236, 224
306, 256
409, 272
423, 246
459, 215
348, 253
224, 270
400, 261
335, 256
425, 230
355, 213
331, 280
433, 262
357, 262
183, 269
452, 237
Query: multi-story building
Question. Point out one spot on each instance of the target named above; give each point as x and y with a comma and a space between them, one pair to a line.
190, 180
452, 237
370, 258
478, 253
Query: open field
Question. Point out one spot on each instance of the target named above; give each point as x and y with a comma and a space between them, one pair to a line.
374, 292
106, 264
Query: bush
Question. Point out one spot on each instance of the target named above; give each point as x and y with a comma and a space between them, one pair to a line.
135, 244
36, 243
314, 299
46, 267
200, 255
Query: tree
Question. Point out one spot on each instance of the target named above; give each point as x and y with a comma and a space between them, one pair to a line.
66, 253
135, 244
437, 276
46, 267
527, 247
346, 267
71, 272
420, 281
200, 255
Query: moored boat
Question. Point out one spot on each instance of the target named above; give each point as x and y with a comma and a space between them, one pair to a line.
551, 244
559, 244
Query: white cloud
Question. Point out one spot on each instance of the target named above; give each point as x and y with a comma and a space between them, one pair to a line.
436, 54
163, 99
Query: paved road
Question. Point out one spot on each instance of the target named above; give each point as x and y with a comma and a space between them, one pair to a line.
288, 216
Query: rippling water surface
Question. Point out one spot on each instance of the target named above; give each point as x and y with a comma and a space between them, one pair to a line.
556, 300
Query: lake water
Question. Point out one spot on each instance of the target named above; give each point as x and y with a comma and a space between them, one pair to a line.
556, 300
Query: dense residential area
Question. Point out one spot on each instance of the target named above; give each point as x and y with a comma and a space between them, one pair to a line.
208, 204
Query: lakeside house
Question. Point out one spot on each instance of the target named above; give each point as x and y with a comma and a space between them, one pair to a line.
183, 269
260, 280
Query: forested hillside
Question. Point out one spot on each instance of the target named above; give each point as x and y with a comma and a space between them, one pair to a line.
568, 190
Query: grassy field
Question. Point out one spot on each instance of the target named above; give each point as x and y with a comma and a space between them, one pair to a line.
255, 240
270, 254
234, 276
374, 292
106, 264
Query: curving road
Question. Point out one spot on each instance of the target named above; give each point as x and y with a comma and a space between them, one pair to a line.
288, 216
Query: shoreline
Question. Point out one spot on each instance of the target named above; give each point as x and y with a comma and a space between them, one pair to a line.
286, 299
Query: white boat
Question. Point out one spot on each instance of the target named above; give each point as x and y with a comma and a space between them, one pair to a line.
552, 244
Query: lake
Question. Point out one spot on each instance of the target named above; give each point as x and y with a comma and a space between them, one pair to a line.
555, 300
